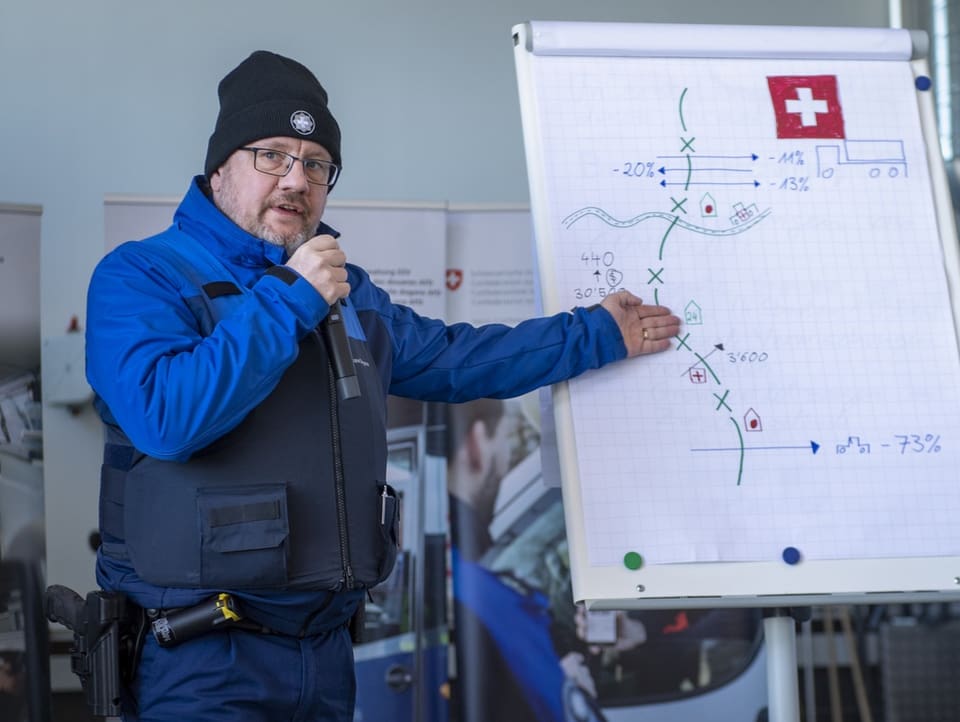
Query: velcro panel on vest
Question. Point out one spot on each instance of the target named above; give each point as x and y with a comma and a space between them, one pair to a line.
263, 511
215, 289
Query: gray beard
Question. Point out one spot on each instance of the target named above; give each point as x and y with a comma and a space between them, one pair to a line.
227, 203
290, 244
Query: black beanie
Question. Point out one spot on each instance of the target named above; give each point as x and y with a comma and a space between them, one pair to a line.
269, 95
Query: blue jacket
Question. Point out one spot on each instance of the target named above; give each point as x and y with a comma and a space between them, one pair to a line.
175, 387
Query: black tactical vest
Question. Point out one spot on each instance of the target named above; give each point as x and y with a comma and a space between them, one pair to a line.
293, 498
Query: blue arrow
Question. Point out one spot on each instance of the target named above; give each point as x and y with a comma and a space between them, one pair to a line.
710, 183
814, 447
752, 156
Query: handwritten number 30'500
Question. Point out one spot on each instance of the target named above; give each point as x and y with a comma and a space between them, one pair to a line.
599, 292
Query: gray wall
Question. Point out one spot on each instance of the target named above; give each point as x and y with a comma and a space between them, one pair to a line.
107, 96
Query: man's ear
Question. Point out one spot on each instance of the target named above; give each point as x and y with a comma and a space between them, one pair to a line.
215, 181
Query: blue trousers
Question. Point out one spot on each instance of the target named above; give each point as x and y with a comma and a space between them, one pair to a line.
244, 676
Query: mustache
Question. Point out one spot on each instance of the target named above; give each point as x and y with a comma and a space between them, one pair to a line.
288, 199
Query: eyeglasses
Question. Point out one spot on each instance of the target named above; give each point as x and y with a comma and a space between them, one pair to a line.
276, 162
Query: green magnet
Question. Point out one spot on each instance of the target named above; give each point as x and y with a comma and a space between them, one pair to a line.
632, 561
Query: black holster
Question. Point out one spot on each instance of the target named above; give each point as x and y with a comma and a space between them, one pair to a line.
107, 637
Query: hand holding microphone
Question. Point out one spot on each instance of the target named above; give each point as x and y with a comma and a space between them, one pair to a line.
321, 262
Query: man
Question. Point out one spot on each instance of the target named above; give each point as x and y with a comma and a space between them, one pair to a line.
234, 464
501, 633
478, 457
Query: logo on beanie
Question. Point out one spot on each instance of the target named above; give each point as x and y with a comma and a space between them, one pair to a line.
302, 122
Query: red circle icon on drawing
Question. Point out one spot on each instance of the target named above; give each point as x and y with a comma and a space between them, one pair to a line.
752, 421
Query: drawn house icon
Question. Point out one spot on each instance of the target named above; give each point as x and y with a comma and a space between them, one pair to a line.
692, 315
751, 421
708, 206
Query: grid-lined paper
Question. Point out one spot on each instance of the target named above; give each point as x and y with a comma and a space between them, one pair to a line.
828, 421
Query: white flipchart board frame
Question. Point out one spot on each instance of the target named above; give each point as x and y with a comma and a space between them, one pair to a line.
715, 584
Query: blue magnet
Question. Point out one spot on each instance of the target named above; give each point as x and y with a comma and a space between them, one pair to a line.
923, 83
791, 555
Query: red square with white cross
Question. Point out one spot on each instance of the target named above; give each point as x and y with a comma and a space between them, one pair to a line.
806, 106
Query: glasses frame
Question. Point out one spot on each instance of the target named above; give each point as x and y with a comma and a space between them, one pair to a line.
291, 159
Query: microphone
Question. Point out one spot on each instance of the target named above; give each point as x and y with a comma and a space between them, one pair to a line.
338, 348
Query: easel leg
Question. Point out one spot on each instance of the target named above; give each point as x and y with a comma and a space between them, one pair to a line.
780, 636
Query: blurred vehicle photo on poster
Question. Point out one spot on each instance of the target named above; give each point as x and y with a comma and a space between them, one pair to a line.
402, 658
524, 650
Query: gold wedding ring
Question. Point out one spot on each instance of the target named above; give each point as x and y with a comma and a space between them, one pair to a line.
646, 334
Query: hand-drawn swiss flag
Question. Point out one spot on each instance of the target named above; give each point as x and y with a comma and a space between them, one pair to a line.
806, 106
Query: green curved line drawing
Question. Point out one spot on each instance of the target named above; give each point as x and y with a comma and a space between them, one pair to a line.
674, 220
663, 241
682, 123
739, 436
656, 296
686, 185
704, 362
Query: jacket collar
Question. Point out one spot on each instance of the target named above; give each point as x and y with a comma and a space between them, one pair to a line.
220, 235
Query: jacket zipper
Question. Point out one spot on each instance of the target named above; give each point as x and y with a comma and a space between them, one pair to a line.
338, 480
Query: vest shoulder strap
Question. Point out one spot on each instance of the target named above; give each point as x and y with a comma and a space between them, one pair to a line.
201, 268
205, 272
